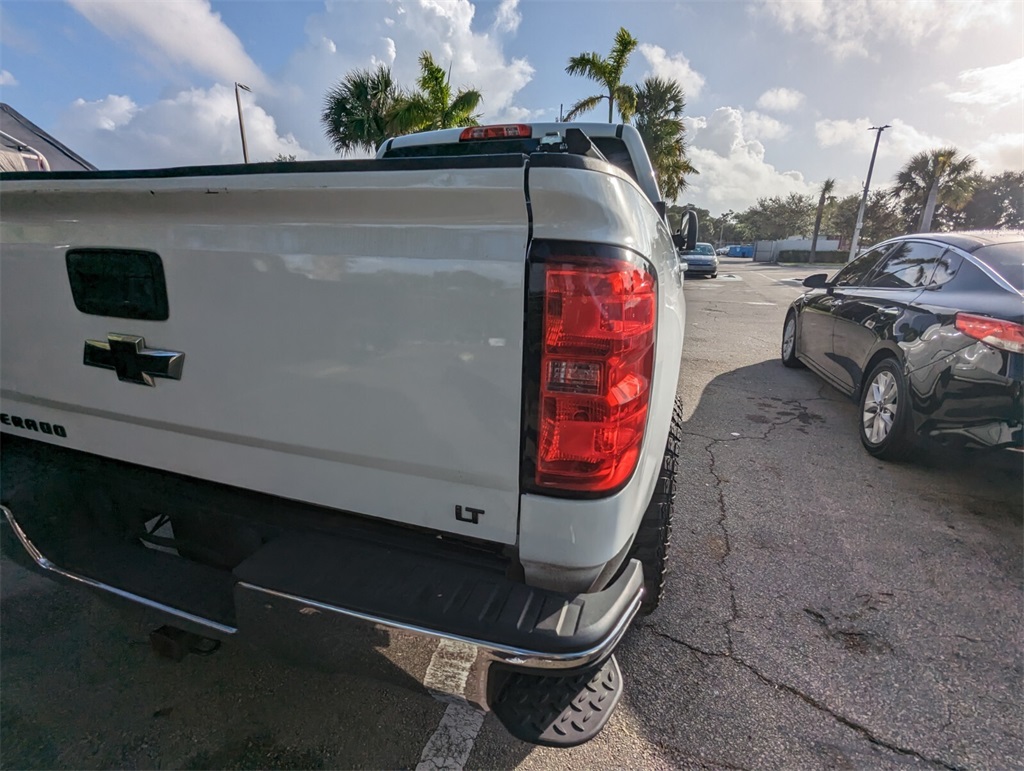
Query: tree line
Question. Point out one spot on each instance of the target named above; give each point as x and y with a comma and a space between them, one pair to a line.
935, 190
367, 106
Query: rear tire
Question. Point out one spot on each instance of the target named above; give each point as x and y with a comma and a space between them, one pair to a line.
655, 532
885, 425
789, 358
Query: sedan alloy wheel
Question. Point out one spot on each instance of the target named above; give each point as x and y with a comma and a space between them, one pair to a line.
880, 407
789, 358
885, 425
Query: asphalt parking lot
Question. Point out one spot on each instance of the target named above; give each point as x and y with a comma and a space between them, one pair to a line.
824, 610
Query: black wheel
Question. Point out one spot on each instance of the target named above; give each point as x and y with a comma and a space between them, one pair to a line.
789, 358
885, 426
654, 535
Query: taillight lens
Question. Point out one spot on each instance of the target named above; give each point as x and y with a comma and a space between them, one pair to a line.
596, 360
1005, 335
510, 131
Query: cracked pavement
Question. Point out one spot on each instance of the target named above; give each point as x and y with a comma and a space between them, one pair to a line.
835, 586
823, 610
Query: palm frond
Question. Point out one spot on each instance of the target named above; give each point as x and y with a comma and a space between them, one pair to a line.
624, 45
584, 105
589, 65
625, 99
467, 101
463, 106
357, 109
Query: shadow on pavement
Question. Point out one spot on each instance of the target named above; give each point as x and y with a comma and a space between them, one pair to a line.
825, 608
83, 689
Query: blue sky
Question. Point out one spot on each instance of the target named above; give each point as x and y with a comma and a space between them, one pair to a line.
780, 93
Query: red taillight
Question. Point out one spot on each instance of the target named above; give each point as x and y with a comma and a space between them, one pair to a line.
512, 131
995, 332
596, 361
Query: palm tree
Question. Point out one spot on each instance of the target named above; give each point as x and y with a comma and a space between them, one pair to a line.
434, 106
941, 176
608, 72
825, 197
359, 109
659, 120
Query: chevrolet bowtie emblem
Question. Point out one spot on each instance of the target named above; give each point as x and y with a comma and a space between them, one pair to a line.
133, 362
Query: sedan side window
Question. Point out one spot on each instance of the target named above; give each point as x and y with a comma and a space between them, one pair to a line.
909, 266
855, 273
946, 267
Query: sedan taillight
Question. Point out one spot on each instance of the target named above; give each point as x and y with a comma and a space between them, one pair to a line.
593, 359
1005, 335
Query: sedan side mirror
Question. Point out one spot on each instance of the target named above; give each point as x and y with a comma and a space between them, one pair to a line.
817, 281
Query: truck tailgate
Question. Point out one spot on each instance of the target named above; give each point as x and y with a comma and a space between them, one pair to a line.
352, 332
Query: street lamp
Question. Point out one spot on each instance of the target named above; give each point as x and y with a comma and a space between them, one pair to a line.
864, 198
725, 221
241, 122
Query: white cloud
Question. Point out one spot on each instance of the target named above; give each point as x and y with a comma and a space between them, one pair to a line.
507, 18
846, 27
524, 115
758, 126
675, 67
390, 53
7, 79
780, 99
195, 127
995, 154
901, 141
185, 32
366, 36
1002, 84
341, 37
732, 165
1000, 152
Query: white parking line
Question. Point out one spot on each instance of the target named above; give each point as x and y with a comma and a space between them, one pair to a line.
450, 745
452, 742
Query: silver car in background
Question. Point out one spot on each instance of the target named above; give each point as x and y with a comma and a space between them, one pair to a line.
701, 260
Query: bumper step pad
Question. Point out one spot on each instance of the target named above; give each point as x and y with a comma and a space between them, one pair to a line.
559, 711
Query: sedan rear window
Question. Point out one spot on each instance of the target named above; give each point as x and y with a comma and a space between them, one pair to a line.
1007, 260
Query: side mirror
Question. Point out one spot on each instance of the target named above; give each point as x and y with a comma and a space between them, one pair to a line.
686, 239
816, 281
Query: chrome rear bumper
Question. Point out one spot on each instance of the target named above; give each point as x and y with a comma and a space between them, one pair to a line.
551, 633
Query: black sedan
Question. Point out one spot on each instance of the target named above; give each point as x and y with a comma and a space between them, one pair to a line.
927, 332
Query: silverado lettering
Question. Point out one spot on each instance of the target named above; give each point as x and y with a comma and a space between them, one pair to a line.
27, 424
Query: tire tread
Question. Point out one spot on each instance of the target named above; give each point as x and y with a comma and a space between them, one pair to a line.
654, 535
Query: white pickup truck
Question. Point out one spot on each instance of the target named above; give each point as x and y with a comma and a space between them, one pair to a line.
430, 395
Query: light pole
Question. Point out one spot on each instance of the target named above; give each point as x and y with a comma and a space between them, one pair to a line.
864, 198
725, 221
241, 122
